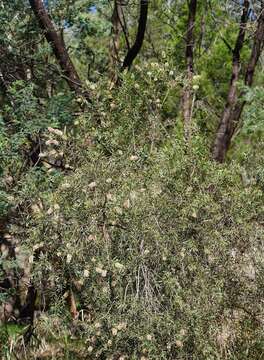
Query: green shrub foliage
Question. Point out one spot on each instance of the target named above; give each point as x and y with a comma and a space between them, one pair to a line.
136, 244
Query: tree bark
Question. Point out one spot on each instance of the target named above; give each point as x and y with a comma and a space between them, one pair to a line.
187, 94
56, 41
142, 22
118, 25
251, 67
224, 129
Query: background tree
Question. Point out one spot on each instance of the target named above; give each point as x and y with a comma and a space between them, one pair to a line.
118, 26
187, 93
222, 143
223, 133
142, 22
55, 39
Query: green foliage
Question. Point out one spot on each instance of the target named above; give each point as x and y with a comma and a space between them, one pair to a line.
110, 210
159, 245
163, 256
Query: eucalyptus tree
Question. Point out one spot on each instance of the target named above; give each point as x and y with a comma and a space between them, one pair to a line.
235, 102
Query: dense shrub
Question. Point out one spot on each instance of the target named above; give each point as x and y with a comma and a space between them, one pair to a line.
162, 254
158, 247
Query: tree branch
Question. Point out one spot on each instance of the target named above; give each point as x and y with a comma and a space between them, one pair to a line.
56, 41
133, 52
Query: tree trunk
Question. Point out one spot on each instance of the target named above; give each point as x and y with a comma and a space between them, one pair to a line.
187, 94
118, 24
142, 22
224, 128
55, 39
251, 67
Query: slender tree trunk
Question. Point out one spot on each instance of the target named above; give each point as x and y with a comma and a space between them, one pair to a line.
187, 94
233, 109
118, 24
142, 22
202, 29
251, 67
55, 39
